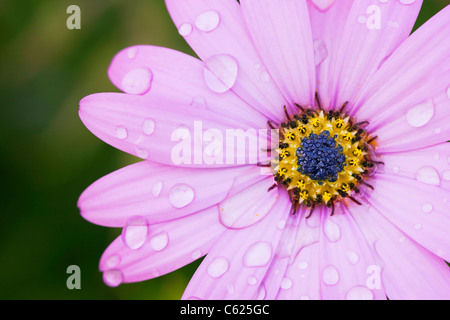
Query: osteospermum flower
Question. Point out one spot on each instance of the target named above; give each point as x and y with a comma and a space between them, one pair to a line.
352, 202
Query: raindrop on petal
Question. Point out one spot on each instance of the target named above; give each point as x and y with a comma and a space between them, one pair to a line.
134, 234
157, 187
121, 133
218, 267
359, 293
421, 114
181, 195
148, 126
221, 72
427, 208
428, 175
258, 255
330, 275
137, 81
207, 21
332, 231
160, 241
113, 278
185, 29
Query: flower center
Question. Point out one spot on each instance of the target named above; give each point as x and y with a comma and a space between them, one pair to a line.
323, 157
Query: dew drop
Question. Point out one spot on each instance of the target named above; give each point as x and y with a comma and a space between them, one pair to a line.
281, 224
258, 254
132, 53
286, 283
148, 126
196, 254
320, 51
134, 234
437, 130
359, 293
252, 280
418, 226
113, 261
265, 76
156, 188
137, 81
303, 265
330, 275
427, 208
207, 21
159, 242
261, 293
421, 114
113, 278
428, 175
407, 2
185, 29
396, 169
121, 133
141, 153
221, 72
352, 257
230, 289
181, 195
332, 231
436, 156
218, 267
304, 297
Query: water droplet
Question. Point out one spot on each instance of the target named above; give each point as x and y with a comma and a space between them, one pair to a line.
134, 234
132, 53
221, 72
286, 283
157, 187
320, 51
303, 265
330, 275
332, 231
265, 76
121, 133
113, 278
185, 29
113, 261
323, 5
427, 208
137, 81
359, 293
421, 114
281, 224
402, 239
437, 130
218, 267
181, 195
148, 126
258, 254
304, 297
230, 289
407, 2
428, 175
352, 257
141, 153
446, 175
418, 226
261, 293
207, 21
436, 156
396, 170
252, 280
196, 254
160, 241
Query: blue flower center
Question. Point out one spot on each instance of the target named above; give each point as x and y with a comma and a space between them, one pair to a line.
320, 157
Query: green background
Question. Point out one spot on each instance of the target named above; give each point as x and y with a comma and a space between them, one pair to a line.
47, 156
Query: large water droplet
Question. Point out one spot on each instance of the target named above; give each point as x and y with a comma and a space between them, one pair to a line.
330, 275
181, 195
159, 242
134, 234
218, 267
185, 29
359, 293
113, 278
207, 21
258, 254
420, 114
332, 231
221, 72
428, 175
148, 126
137, 81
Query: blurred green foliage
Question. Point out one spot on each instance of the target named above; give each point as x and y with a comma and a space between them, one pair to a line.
48, 157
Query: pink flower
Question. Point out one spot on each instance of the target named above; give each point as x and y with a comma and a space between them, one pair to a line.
371, 223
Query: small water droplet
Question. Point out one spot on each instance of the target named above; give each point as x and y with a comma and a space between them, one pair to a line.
446, 175
156, 188
418, 226
198, 101
261, 293
207, 21
320, 51
221, 72
281, 224
359, 293
252, 280
265, 76
148, 126
160, 241
421, 114
330, 275
428, 175
286, 283
134, 234
303, 265
332, 231
121, 133
437, 130
137, 81
181, 195
258, 254
407, 2
402, 239
185, 29
230, 289
196, 254
436, 156
396, 169
218, 267
304, 297
141, 153
427, 208
113, 278
352, 257
132, 53
113, 261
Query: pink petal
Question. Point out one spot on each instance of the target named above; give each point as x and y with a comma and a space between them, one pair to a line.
432, 162
372, 32
167, 132
159, 193
281, 31
235, 266
168, 246
328, 19
408, 270
219, 36
179, 78
408, 100
417, 208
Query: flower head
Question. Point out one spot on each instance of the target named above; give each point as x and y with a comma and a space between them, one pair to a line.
351, 201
